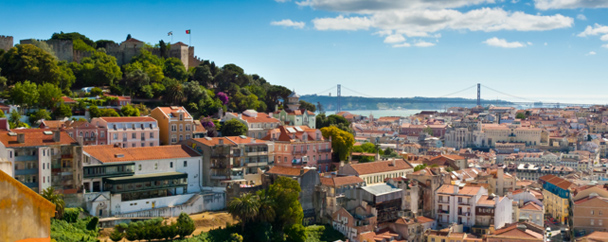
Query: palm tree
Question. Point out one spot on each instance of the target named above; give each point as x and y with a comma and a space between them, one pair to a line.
245, 208
266, 211
175, 93
55, 198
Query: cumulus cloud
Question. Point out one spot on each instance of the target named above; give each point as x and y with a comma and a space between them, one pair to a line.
591, 53
424, 44
394, 38
288, 23
402, 45
569, 4
605, 45
496, 42
581, 17
604, 37
594, 30
342, 23
368, 6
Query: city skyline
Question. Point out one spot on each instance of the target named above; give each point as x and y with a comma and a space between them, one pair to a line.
540, 50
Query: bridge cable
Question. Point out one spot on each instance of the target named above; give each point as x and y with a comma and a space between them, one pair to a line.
362, 94
506, 94
326, 91
450, 94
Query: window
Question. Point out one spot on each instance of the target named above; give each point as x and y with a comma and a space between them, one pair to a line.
133, 145
181, 127
80, 134
139, 167
155, 166
170, 164
173, 127
187, 137
151, 143
173, 139
181, 137
102, 134
592, 222
143, 144
185, 163
151, 135
181, 117
187, 127
592, 212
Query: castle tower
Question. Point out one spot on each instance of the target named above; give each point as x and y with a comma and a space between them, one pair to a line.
293, 101
6, 42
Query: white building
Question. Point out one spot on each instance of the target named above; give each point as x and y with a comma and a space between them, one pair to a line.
124, 180
456, 204
258, 124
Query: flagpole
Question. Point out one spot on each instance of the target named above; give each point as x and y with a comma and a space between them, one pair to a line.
189, 38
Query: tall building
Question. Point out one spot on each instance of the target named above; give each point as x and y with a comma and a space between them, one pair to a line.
300, 146
175, 124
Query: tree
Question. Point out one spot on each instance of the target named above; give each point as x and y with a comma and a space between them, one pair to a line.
234, 237
100, 69
63, 111
202, 75
102, 43
245, 208
185, 225
233, 127
96, 91
73, 36
341, 141
128, 37
296, 233
55, 198
116, 235
15, 119
174, 92
66, 77
49, 96
266, 211
335, 120
308, 106
428, 130
174, 68
44, 46
285, 193
38, 115
28, 62
520, 116
419, 167
3, 80
25, 94
129, 111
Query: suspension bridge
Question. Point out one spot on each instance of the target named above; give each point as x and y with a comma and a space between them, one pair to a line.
453, 99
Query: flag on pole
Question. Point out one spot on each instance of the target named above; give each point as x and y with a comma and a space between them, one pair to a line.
170, 33
187, 31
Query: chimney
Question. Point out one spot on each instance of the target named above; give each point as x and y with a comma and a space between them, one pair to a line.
456, 188
21, 138
240, 116
56, 135
221, 141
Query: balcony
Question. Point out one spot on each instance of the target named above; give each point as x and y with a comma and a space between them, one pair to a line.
464, 204
441, 211
464, 214
219, 155
67, 156
299, 152
219, 177
323, 161
254, 164
324, 150
256, 153
26, 158
443, 201
26, 171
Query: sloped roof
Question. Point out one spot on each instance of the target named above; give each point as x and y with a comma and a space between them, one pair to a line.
381, 166
213, 141
110, 153
532, 206
466, 190
127, 119
286, 171
557, 181
171, 112
34, 137
340, 180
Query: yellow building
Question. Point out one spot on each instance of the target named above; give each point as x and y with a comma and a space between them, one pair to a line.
175, 124
556, 194
24, 215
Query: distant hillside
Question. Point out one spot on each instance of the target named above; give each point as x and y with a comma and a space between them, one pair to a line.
366, 103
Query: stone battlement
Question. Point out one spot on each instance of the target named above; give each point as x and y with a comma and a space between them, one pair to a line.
6, 42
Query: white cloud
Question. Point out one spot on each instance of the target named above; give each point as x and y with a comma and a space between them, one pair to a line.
367, 6
424, 44
562, 4
581, 17
529, 43
591, 53
282, 1
595, 30
546, 44
288, 23
514, 1
503, 43
604, 37
342, 23
402, 45
605, 45
394, 38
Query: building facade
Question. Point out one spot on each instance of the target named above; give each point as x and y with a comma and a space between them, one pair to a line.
175, 124
300, 146
129, 132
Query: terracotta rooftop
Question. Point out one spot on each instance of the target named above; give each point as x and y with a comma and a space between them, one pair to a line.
532, 206
466, 190
286, 171
245, 140
213, 141
381, 166
513, 232
172, 112
596, 236
110, 153
259, 118
557, 181
127, 119
67, 99
340, 180
34, 137
589, 198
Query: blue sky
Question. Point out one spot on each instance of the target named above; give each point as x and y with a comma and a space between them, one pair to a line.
549, 50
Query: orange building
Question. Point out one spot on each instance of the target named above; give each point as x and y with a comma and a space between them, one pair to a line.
175, 124
25, 215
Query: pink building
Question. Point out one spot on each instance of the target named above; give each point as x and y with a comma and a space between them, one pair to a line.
82, 131
298, 146
128, 131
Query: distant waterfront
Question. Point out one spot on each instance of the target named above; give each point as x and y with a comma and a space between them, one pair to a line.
383, 113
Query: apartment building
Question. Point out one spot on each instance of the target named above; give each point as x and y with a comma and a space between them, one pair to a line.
337, 192
255, 153
221, 161
308, 179
258, 124
125, 180
492, 212
352, 224
43, 158
556, 194
457, 203
129, 132
377, 171
300, 146
175, 124
293, 115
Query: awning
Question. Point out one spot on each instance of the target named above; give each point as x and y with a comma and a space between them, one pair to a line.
146, 177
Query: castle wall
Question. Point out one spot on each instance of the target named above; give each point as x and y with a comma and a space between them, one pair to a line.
6, 42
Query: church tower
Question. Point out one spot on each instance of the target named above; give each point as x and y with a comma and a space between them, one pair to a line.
293, 101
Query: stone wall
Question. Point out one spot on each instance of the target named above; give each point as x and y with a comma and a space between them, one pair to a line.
6, 42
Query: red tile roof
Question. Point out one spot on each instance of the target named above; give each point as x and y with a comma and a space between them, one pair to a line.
381, 166
259, 118
34, 137
557, 181
127, 119
110, 153
213, 141
170, 112
532, 206
245, 140
340, 180
286, 171
67, 99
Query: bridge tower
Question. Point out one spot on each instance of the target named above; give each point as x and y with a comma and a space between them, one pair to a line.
478, 94
339, 93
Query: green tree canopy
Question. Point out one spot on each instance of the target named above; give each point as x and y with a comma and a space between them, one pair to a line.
28, 62
25, 94
185, 225
73, 36
308, 106
129, 111
55, 198
245, 208
38, 115
49, 96
341, 141
100, 69
63, 111
233, 127
174, 68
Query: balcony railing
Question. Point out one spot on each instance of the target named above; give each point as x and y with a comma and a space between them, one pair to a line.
219, 155
442, 211
299, 152
26, 171
253, 164
324, 150
443, 201
464, 214
464, 203
323, 161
